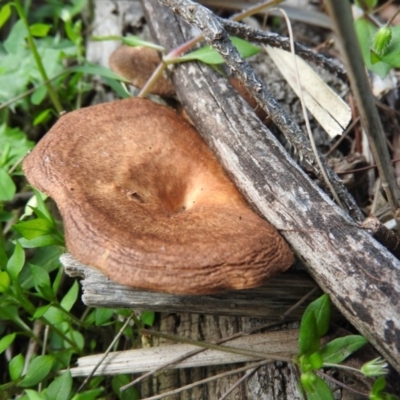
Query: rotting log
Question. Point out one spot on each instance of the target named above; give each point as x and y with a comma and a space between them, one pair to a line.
360, 275
270, 301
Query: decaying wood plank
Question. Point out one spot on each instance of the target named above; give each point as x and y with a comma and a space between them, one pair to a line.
269, 301
279, 343
362, 277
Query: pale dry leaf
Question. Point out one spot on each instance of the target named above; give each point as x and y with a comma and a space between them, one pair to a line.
321, 101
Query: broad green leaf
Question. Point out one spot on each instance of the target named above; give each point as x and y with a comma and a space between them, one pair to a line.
16, 261
147, 317
339, 349
34, 228
55, 316
378, 385
7, 186
17, 141
41, 241
6, 341
38, 370
41, 205
42, 283
5, 13
77, 338
210, 56
322, 312
93, 69
40, 311
38, 96
4, 281
70, 298
39, 30
103, 315
365, 32
319, 390
60, 388
130, 394
308, 334
34, 395
89, 394
16, 366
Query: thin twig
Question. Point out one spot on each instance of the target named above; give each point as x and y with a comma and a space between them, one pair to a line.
117, 336
212, 378
247, 375
223, 340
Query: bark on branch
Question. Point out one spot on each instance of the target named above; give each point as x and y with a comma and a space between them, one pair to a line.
361, 276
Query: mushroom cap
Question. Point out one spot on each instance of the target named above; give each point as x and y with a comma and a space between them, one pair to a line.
144, 200
137, 65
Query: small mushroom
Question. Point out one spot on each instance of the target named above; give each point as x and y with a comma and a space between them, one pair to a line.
144, 200
137, 64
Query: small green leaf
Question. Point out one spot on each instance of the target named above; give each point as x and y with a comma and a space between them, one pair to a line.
6, 341
132, 41
93, 69
77, 338
308, 335
339, 349
210, 56
40, 311
5, 13
320, 390
103, 315
16, 262
38, 370
322, 311
147, 317
34, 395
4, 281
120, 380
378, 385
89, 394
39, 30
7, 186
70, 298
34, 228
55, 316
60, 388
41, 281
16, 366
41, 241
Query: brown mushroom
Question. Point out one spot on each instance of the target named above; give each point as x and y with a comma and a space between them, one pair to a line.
144, 200
137, 64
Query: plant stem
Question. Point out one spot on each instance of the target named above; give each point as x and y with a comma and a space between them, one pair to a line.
340, 12
53, 95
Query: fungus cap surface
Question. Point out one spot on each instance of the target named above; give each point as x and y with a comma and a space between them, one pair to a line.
144, 200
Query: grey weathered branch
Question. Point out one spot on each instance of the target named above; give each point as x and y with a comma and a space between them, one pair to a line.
216, 35
361, 276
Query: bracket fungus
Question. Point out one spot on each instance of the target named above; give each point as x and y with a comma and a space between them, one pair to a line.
144, 200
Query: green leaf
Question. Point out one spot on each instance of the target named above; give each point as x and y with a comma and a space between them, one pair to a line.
7, 186
339, 349
5, 13
55, 316
93, 69
308, 335
318, 389
103, 315
16, 262
210, 56
391, 54
132, 41
6, 341
40, 311
60, 388
89, 394
322, 311
70, 298
147, 317
4, 281
38, 370
39, 30
34, 228
16, 366
378, 385
130, 394
34, 395
41, 241
41, 281
365, 32
39, 95
370, 4
76, 338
